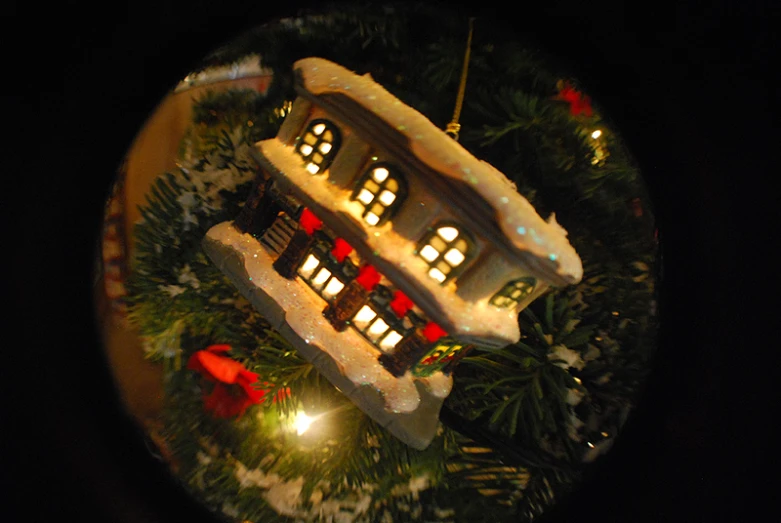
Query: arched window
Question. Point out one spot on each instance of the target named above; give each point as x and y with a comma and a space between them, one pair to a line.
380, 191
513, 293
437, 358
445, 250
318, 145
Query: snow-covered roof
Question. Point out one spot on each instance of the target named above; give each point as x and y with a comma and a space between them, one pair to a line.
516, 217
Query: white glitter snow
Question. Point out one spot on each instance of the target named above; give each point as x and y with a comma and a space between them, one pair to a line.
356, 358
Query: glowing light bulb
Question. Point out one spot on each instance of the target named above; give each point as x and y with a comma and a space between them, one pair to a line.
302, 423
318, 129
312, 168
596, 134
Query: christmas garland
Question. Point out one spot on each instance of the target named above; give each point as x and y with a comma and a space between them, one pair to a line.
520, 421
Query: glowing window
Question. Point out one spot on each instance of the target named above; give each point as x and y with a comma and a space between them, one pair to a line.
513, 293
380, 191
446, 250
318, 145
438, 357
309, 266
391, 340
333, 288
377, 329
383, 334
364, 316
317, 276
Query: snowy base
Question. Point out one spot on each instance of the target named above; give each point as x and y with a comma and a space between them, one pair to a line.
408, 407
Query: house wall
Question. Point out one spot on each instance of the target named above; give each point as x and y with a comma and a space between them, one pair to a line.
294, 122
492, 273
421, 210
349, 162
488, 271
487, 276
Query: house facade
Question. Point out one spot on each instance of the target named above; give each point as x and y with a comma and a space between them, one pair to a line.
404, 237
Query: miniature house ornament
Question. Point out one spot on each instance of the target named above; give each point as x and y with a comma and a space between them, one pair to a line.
383, 250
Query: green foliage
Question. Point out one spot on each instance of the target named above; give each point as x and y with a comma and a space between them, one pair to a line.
523, 389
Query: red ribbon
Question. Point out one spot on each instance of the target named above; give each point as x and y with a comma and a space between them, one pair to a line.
368, 277
341, 249
401, 304
578, 102
432, 332
309, 222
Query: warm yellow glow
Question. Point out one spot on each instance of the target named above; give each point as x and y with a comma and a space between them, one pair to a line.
377, 328
448, 233
318, 129
577, 380
312, 168
302, 423
306, 149
365, 196
325, 147
387, 197
390, 341
429, 253
437, 275
309, 266
454, 257
380, 173
321, 277
371, 218
333, 288
596, 134
364, 316
590, 444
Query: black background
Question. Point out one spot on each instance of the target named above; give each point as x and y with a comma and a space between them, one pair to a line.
689, 86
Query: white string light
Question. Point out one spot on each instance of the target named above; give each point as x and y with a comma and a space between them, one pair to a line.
302, 422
